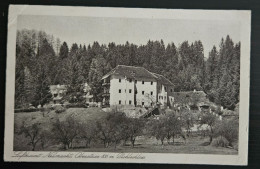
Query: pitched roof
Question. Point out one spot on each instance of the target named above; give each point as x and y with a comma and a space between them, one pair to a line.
190, 96
137, 72
57, 88
130, 72
163, 80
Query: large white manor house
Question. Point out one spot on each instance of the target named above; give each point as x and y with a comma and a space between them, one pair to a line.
129, 85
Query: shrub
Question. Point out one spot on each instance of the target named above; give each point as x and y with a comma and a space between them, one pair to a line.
27, 110
229, 130
60, 109
77, 105
220, 142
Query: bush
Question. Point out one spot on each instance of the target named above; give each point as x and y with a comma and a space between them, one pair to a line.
77, 105
60, 109
220, 142
229, 130
27, 110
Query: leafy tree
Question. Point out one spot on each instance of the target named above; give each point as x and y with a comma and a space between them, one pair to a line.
229, 129
111, 128
134, 129
33, 132
66, 131
88, 132
210, 120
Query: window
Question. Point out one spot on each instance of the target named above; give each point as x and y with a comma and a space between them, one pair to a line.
119, 80
119, 101
119, 90
142, 103
165, 88
55, 95
135, 91
151, 104
151, 93
142, 82
130, 80
151, 82
171, 90
142, 92
130, 90
135, 81
130, 101
164, 97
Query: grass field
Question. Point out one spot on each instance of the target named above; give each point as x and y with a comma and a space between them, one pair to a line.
193, 145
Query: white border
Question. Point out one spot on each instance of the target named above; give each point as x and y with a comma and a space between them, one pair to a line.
244, 17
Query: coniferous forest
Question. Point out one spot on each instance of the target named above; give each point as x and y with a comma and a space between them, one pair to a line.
43, 60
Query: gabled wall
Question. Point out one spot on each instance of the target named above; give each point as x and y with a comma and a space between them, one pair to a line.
125, 85
147, 88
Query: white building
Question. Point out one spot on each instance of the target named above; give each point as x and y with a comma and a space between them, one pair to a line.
129, 85
59, 91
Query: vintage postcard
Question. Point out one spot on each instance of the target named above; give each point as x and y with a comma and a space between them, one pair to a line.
121, 85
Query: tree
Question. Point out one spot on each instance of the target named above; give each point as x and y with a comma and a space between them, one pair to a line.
166, 127
64, 51
97, 70
228, 128
134, 129
88, 132
66, 131
210, 120
111, 128
33, 132
42, 93
187, 120
157, 129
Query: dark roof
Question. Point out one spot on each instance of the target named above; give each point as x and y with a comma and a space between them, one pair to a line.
163, 80
137, 72
57, 88
130, 72
190, 96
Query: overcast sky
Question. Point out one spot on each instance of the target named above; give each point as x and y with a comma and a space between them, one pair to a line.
85, 30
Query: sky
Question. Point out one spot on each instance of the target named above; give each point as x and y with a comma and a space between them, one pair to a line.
86, 30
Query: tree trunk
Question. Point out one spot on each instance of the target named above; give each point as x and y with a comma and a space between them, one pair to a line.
124, 142
211, 135
33, 148
173, 139
133, 142
115, 144
210, 139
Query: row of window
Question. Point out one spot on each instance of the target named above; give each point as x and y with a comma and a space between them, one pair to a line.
130, 80
130, 91
130, 102
161, 97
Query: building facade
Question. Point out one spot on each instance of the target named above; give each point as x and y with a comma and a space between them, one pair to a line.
136, 86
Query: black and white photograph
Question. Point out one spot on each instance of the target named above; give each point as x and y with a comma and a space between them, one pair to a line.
127, 85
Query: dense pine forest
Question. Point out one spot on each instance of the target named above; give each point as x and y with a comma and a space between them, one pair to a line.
43, 60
